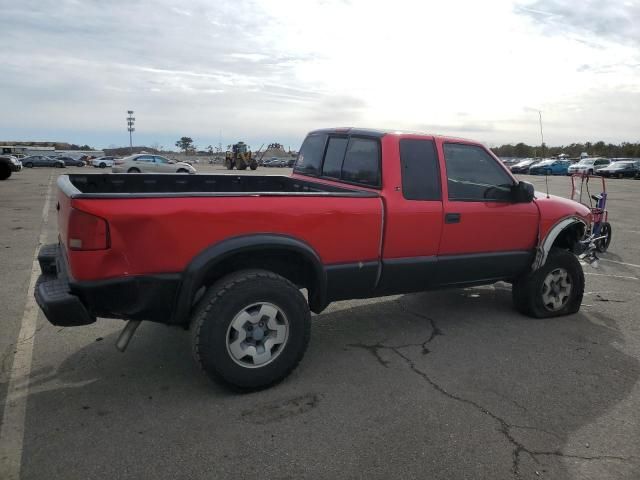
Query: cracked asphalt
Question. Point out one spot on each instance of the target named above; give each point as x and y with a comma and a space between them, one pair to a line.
451, 384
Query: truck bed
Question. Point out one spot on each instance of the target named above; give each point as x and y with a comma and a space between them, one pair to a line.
176, 185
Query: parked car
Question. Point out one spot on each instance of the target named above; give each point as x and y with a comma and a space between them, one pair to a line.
71, 162
147, 163
550, 167
523, 165
8, 165
620, 169
102, 162
588, 165
42, 161
243, 247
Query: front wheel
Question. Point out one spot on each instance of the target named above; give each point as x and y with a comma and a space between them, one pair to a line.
182, 170
605, 231
554, 290
102, 165
253, 166
133, 170
251, 329
28, 165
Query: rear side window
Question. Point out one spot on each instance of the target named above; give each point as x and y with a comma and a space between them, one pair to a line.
336, 148
362, 162
420, 170
309, 160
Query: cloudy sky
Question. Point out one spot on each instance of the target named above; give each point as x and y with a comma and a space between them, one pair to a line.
264, 71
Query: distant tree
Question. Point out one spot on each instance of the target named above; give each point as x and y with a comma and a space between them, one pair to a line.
210, 149
185, 144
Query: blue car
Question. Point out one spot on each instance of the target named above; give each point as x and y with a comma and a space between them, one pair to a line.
550, 167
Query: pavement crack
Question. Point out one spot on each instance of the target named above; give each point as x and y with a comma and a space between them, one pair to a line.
374, 350
435, 330
505, 428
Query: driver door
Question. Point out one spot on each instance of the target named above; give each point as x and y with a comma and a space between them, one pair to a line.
486, 235
161, 164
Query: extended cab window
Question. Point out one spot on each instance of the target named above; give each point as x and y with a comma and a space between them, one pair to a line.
336, 148
474, 175
420, 171
309, 160
362, 162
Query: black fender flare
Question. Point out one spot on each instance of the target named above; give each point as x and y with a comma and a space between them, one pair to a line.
201, 264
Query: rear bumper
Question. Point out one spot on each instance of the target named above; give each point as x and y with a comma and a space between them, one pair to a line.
66, 302
53, 294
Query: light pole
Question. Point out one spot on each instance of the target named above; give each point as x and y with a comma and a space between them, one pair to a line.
541, 134
130, 122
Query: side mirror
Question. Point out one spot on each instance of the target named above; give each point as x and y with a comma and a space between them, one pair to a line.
523, 192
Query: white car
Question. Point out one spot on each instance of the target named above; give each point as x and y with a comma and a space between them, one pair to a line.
102, 162
588, 165
148, 163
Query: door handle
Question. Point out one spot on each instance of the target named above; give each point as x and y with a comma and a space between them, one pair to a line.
452, 218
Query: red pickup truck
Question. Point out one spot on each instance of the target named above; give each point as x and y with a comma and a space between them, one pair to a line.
366, 213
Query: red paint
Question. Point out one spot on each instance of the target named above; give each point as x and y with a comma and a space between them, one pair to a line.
162, 235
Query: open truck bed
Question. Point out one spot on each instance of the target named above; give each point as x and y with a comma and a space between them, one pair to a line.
176, 185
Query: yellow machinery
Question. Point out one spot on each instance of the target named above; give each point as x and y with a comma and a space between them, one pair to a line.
240, 157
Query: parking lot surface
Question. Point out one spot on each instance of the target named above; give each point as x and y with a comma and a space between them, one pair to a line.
443, 385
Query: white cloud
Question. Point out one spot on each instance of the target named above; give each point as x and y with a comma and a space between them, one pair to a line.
265, 70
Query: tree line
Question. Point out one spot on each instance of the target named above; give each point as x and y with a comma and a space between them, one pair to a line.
597, 149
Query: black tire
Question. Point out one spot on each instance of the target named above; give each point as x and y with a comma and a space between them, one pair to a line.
133, 170
182, 170
102, 165
28, 165
253, 166
223, 302
229, 165
242, 166
603, 245
527, 291
5, 171
590, 172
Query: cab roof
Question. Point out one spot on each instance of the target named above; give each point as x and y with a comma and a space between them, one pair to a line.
379, 133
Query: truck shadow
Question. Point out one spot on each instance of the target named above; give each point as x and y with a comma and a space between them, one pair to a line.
450, 382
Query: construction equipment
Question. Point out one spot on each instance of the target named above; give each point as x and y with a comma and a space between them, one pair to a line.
240, 157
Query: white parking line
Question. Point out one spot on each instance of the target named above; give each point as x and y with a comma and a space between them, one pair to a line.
612, 276
620, 263
12, 429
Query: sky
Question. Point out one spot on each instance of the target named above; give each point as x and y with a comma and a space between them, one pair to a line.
269, 71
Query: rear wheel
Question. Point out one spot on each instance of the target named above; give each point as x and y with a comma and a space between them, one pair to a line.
182, 170
133, 170
28, 165
251, 329
102, 165
605, 231
254, 165
5, 171
554, 290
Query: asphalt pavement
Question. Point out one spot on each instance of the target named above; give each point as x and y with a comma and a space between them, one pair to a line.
451, 384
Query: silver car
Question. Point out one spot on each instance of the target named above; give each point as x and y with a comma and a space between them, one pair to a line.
147, 163
589, 165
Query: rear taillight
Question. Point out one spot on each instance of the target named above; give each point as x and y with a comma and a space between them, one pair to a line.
87, 232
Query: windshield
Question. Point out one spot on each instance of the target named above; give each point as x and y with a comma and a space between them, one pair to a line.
590, 161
